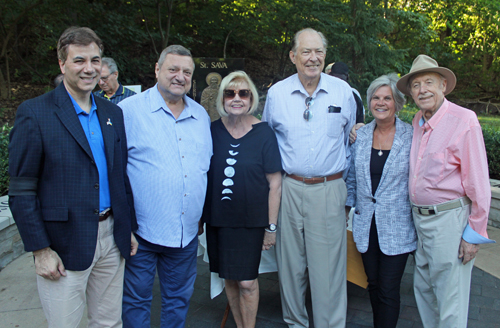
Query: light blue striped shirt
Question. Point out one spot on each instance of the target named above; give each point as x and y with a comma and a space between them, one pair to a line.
318, 147
168, 160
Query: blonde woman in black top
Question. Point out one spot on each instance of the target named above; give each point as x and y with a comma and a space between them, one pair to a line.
243, 195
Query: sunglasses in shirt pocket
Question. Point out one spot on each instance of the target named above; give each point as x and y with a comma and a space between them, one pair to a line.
335, 121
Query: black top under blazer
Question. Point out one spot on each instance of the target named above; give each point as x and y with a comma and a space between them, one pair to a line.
54, 190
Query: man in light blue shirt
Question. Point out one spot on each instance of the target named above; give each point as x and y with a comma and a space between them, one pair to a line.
169, 150
312, 114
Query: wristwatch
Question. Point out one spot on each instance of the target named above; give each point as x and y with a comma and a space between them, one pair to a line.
271, 228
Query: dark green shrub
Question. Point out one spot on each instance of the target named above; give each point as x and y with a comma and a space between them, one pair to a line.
4, 159
492, 143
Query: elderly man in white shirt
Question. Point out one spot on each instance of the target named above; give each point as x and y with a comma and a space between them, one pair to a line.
312, 114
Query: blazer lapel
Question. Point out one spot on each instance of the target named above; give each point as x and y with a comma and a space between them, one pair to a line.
366, 153
396, 146
67, 114
108, 133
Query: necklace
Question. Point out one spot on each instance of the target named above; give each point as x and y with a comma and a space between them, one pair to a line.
380, 153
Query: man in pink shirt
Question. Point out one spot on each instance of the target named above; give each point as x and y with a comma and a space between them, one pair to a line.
449, 191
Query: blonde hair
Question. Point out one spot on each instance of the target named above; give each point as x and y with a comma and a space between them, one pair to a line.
235, 79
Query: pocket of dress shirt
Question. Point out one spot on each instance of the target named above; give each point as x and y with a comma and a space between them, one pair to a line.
434, 168
203, 155
334, 124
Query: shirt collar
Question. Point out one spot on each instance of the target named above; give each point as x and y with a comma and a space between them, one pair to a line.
298, 87
433, 122
157, 103
120, 91
77, 107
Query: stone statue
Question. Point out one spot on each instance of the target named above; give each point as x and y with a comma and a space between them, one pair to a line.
209, 95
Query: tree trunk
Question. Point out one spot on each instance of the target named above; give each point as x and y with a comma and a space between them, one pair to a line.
4, 88
225, 43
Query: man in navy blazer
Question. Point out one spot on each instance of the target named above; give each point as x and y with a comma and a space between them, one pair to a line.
69, 192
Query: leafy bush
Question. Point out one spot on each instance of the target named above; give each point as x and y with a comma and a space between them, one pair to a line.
4, 159
492, 143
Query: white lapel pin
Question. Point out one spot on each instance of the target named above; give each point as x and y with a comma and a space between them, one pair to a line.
109, 122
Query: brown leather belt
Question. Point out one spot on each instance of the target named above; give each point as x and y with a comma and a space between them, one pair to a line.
315, 179
104, 215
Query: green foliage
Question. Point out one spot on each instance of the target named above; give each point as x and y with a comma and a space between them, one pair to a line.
465, 38
491, 121
4, 159
373, 37
492, 143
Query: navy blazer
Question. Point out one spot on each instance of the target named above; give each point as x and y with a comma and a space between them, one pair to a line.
54, 189
391, 203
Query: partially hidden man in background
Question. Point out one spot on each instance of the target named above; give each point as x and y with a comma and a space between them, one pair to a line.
111, 89
169, 150
69, 192
341, 71
312, 114
450, 194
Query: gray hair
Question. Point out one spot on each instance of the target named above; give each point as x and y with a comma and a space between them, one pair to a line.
174, 49
308, 29
235, 79
389, 80
110, 62
58, 80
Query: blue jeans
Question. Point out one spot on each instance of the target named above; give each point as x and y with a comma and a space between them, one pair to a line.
177, 273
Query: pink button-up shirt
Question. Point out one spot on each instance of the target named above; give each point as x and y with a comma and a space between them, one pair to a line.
448, 161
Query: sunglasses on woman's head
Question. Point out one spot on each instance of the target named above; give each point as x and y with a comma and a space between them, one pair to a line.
243, 93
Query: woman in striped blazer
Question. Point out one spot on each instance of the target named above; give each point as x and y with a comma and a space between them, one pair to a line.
377, 186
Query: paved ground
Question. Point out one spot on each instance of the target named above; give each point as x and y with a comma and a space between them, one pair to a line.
20, 306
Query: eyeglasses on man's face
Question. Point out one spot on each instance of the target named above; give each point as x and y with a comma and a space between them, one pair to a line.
105, 78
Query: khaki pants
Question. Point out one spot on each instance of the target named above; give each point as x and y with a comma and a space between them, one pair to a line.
311, 240
100, 287
441, 281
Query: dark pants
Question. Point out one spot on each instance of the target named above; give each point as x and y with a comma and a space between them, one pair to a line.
177, 273
384, 274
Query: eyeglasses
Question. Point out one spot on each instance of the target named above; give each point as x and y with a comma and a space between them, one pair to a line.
308, 113
105, 78
243, 93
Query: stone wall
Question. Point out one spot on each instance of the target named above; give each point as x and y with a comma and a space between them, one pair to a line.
11, 245
494, 218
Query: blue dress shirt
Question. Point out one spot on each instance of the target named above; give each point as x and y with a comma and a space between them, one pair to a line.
318, 147
92, 129
168, 160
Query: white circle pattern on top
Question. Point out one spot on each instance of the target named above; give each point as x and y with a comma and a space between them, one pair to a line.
229, 172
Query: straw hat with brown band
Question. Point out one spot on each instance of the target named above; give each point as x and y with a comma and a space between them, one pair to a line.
425, 64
